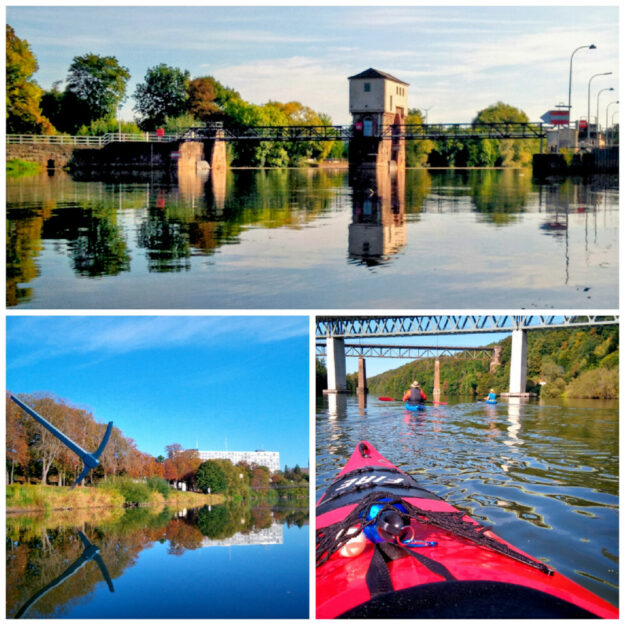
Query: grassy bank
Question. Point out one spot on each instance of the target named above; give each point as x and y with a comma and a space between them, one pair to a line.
110, 494
17, 167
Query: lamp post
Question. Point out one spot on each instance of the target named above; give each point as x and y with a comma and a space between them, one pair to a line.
597, 118
607, 108
592, 46
593, 76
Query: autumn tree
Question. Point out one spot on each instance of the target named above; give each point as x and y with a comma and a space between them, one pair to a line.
202, 103
23, 95
16, 442
164, 93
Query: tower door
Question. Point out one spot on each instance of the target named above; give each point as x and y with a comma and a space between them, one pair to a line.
367, 130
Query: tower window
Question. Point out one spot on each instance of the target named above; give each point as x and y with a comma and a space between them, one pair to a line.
367, 86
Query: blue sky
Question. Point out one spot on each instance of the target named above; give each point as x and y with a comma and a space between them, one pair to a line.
457, 59
175, 379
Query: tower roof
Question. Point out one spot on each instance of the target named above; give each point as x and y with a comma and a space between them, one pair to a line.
376, 73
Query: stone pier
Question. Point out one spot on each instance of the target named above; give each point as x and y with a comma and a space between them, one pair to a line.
436, 393
362, 376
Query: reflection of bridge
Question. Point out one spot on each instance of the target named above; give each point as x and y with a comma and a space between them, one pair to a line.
268, 536
334, 331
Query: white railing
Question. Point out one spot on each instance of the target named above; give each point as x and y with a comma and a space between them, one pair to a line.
88, 140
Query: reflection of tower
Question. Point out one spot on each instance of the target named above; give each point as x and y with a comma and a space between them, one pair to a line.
378, 227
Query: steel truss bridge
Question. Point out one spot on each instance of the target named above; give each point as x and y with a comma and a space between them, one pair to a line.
358, 327
409, 352
502, 130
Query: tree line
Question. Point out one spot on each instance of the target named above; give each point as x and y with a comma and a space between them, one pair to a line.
95, 89
34, 454
576, 363
169, 98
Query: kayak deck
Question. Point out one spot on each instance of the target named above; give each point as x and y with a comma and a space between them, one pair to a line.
454, 578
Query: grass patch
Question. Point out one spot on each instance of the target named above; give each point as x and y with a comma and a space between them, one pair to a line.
16, 168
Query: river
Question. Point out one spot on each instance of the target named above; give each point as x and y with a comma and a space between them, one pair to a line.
312, 239
213, 562
544, 475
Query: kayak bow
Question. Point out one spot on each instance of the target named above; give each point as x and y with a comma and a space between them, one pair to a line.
389, 548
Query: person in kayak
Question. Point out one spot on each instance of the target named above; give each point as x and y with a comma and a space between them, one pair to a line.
415, 394
492, 396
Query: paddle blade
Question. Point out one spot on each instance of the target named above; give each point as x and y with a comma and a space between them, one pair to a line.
387, 399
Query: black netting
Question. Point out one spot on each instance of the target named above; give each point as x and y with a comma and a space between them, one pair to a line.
331, 538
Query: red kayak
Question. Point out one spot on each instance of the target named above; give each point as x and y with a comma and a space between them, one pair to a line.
388, 548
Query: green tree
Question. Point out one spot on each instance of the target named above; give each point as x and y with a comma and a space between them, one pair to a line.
163, 94
23, 95
99, 85
417, 151
211, 476
508, 151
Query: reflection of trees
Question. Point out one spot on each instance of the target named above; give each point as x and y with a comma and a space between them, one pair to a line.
166, 242
96, 243
223, 521
500, 194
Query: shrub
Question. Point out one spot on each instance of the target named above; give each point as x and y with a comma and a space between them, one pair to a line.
595, 384
160, 485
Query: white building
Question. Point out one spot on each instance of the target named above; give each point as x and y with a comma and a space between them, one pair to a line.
269, 459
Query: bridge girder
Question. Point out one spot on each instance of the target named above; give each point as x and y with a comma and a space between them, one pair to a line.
409, 352
410, 132
353, 327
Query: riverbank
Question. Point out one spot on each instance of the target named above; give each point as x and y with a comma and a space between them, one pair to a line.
38, 498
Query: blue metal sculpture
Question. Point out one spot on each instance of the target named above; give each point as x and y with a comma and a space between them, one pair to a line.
90, 460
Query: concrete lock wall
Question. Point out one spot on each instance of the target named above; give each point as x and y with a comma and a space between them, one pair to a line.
51, 156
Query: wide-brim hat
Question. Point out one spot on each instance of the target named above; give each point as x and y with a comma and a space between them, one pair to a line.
415, 384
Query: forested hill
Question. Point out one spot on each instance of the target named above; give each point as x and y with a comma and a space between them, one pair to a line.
572, 363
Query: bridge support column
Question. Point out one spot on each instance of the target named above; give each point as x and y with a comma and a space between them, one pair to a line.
362, 376
217, 158
495, 361
337, 380
518, 364
436, 393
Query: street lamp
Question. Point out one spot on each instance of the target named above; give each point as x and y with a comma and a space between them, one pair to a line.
593, 76
592, 46
607, 108
597, 118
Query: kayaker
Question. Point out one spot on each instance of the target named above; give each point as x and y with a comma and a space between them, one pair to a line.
415, 394
492, 396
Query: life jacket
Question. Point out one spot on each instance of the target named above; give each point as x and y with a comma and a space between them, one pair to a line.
415, 396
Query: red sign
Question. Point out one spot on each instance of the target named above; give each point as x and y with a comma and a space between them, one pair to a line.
556, 117
583, 124
160, 132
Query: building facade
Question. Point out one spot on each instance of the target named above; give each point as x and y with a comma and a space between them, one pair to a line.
377, 102
269, 459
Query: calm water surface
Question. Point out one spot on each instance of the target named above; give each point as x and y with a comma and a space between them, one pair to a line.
313, 239
544, 475
215, 562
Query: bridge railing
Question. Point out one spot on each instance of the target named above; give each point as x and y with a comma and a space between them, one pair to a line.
99, 141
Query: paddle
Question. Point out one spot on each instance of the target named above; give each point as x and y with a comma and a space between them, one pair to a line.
440, 403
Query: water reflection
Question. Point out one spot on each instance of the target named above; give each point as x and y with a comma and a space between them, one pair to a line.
49, 572
91, 552
378, 228
263, 238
